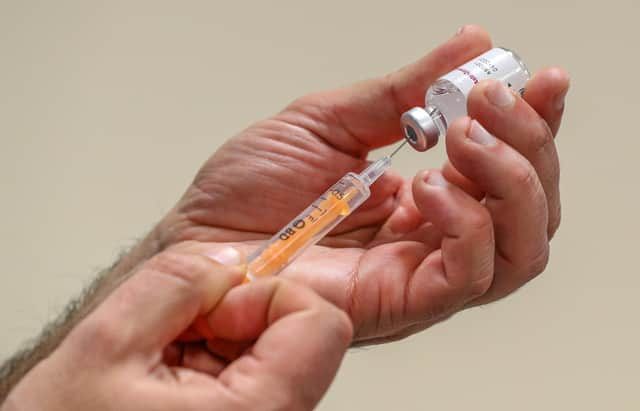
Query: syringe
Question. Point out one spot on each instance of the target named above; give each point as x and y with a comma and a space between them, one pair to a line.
316, 221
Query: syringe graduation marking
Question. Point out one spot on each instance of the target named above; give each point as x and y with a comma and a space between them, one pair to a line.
278, 254
346, 195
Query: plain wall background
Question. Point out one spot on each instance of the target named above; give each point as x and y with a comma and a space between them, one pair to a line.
107, 109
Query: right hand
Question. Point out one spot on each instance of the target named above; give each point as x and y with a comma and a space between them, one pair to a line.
281, 344
417, 251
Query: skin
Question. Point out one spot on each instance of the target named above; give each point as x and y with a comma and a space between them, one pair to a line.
108, 362
415, 253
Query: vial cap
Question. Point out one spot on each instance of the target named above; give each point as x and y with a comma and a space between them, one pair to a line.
419, 129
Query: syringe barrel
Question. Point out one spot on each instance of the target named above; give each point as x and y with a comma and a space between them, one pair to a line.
306, 229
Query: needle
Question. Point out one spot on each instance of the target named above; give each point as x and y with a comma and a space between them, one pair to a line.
398, 149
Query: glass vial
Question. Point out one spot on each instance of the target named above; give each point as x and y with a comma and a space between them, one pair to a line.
446, 99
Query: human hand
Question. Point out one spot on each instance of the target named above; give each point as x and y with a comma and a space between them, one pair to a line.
414, 253
126, 355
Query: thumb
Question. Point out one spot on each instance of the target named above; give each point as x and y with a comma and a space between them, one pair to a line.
300, 340
161, 300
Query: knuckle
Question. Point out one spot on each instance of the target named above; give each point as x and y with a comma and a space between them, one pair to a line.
96, 334
303, 103
183, 246
390, 85
524, 175
332, 319
540, 136
336, 325
188, 267
483, 278
342, 325
337, 322
555, 219
537, 264
298, 102
480, 286
479, 220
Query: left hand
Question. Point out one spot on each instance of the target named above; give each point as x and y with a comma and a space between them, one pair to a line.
415, 253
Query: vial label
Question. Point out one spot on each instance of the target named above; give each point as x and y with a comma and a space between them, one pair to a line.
496, 64
446, 99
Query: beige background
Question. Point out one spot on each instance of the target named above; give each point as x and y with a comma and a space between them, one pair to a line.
108, 108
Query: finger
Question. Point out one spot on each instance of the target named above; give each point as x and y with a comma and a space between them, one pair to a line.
196, 357
172, 354
546, 93
462, 269
515, 199
190, 335
227, 349
455, 177
414, 280
405, 218
369, 111
159, 302
513, 121
301, 340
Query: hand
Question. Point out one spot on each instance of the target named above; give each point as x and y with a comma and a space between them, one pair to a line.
417, 251
124, 356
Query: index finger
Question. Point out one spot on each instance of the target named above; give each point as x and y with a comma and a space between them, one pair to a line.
159, 302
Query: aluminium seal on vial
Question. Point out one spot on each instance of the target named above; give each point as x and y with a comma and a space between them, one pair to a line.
419, 129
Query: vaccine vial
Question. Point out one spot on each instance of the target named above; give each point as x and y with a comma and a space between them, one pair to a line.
446, 99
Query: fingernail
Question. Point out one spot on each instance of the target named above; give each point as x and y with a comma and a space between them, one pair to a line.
480, 135
227, 256
461, 30
436, 179
558, 101
499, 95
